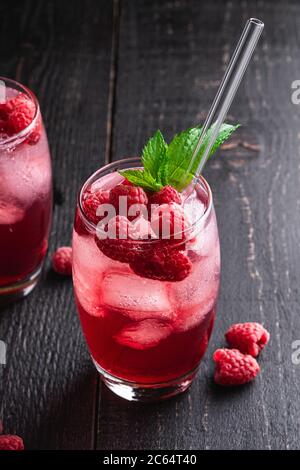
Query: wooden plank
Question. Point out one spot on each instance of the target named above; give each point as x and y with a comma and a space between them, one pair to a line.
171, 58
62, 51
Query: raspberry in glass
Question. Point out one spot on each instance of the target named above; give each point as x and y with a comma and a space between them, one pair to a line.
169, 222
92, 201
163, 264
165, 196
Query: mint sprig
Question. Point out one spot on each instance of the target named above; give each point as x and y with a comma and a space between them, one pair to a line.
142, 178
169, 165
154, 154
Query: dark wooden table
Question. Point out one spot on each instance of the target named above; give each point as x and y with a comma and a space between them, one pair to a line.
108, 74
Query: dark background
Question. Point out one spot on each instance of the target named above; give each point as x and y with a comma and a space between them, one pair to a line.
107, 75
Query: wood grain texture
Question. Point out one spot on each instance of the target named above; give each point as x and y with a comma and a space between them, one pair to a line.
171, 57
107, 74
62, 51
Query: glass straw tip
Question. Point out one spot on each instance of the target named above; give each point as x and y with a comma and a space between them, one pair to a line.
256, 21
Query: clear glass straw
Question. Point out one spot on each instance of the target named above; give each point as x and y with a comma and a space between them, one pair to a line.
228, 89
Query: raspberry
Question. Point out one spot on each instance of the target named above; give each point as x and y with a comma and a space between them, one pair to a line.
62, 260
21, 115
165, 196
120, 247
163, 264
169, 222
13, 103
91, 202
11, 442
18, 113
124, 251
134, 195
118, 228
233, 367
249, 338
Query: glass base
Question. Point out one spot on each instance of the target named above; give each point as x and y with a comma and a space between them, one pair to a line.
20, 289
133, 391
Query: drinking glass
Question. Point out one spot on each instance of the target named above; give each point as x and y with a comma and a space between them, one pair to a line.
25, 190
146, 336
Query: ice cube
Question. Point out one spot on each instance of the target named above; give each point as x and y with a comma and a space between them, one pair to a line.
144, 334
89, 298
192, 316
3, 92
195, 296
10, 212
88, 272
89, 261
193, 206
87, 258
206, 240
135, 297
89, 266
25, 178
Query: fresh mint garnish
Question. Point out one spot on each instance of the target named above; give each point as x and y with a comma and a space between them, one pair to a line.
170, 165
154, 154
142, 178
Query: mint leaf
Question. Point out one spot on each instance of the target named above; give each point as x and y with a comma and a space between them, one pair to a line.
162, 173
224, 133
178, 157
171, 165
154, 154
180, 151
141, 178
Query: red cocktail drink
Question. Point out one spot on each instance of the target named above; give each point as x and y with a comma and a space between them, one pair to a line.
25, 190
146, 304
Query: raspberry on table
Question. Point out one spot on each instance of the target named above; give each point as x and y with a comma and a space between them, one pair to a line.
62, 260
249, 338
11, 442
166, 195
163, 264
134, 195
91, 202
233, 367
169, 221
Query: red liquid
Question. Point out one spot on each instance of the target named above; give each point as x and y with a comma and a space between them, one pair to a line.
143, 330
173, 356
23, 245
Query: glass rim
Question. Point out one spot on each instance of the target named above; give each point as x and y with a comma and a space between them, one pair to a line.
24, 132
97, 174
